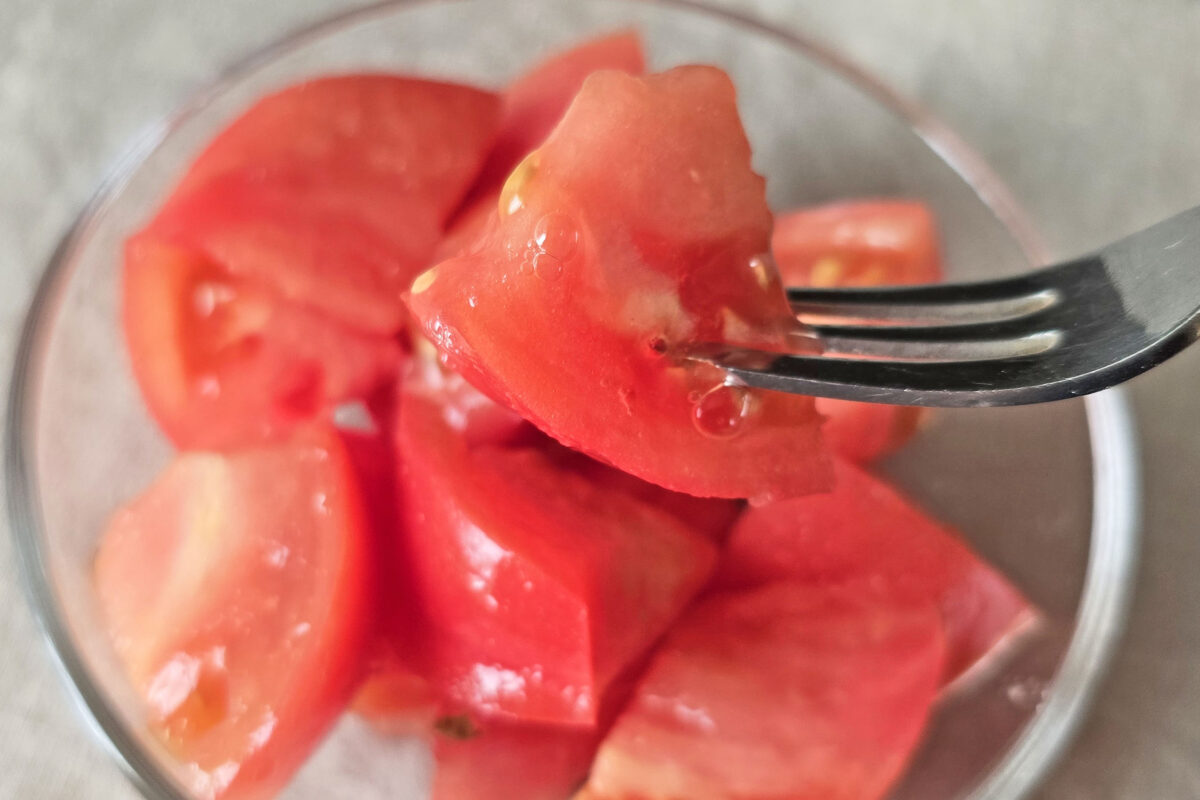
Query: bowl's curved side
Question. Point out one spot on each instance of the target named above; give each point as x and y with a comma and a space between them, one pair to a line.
23, 495
1107, 592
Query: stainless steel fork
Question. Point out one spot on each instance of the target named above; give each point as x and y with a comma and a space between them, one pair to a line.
1057, 332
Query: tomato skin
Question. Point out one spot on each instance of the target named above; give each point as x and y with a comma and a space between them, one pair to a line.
334, 192
419, 137
866, 530
536, 586
238, 600
860, 243
221, 363
641, 262
786, 691
535, 102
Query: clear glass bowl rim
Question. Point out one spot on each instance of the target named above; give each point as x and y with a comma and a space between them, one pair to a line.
1116, 487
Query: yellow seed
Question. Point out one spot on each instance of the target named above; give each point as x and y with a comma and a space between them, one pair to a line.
511, 200
424, 280
826, 272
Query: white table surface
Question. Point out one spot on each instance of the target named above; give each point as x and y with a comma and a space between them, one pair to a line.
1091, 111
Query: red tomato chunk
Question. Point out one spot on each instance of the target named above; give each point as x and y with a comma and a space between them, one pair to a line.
866, 530
612, 272
787, 691
538, 586
236, 591
221, 362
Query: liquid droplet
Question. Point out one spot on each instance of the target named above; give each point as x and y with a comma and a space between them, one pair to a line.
209, 386
547, 267
208, 297
557, 235
1027, 693
277, 555
724, 411
511, 199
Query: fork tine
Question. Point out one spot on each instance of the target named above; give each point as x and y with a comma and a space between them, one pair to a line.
910, 383
1028, 335
939, 303
943, 349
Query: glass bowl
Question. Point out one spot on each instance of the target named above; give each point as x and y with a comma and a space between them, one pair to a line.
1049, 493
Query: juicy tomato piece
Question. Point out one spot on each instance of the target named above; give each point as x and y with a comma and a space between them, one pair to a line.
787, 691
861, 243
335, 191
865, 432
336, 243
537, 586
421, 138
858, 243
710, 515
475, 417
577, 306
221, 362
512, 761
236, 591
535, 102
865, 529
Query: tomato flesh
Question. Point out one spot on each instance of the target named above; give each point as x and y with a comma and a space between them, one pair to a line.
536, 586
787, 691
236, 592
614, 272
221, 362
860, 243
334, 192
866, 530
311, 239
535, 102
420, 138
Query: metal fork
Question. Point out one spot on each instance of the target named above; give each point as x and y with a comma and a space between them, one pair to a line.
1061, 331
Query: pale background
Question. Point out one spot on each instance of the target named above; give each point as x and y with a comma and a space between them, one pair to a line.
1090, 110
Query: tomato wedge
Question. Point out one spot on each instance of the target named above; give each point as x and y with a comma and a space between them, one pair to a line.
421, 138
613, 273
866, 530
860, 243
222, 363
537, 586
535, 102
236, 591
336, 243
787, 691
334, 192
